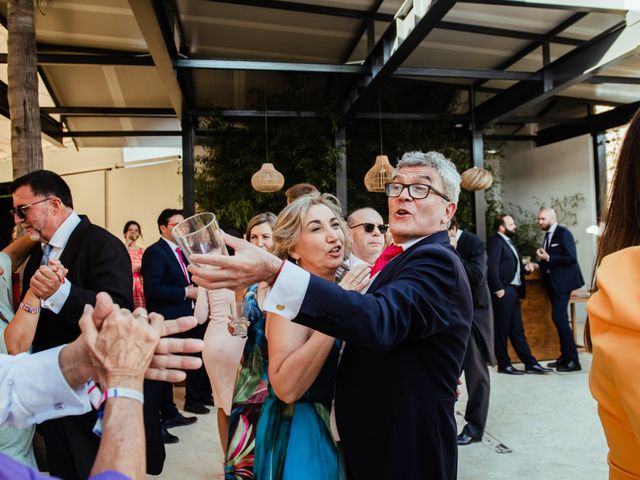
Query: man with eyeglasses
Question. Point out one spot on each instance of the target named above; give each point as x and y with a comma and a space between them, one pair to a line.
405, 338
96, 261
367, 234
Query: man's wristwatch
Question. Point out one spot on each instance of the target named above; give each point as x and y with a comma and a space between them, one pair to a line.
28, 308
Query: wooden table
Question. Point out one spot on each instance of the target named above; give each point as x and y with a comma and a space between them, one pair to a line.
577, 296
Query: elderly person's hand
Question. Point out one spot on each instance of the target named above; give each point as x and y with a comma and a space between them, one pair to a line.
45, 282
57, 268
249, 265
123, 348
165, 365
357, 278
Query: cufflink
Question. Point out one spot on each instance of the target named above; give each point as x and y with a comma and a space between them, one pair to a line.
280, 307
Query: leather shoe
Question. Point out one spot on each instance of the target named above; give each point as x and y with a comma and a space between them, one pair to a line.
510, 370
179, 421
196, 408
570, 366
209, 402
168, 438
465, 439
556, 363
537, 369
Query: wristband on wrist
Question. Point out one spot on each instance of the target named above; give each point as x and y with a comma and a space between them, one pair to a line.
125, 393
28, 308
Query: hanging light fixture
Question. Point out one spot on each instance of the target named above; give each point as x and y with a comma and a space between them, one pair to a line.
381, 172
267, 179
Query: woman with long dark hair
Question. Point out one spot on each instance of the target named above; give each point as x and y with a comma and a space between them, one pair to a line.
612, 331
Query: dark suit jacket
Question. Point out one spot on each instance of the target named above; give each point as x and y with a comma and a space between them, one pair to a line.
164, 282
502, 265
562, 271
473, 254
406, 339
97, 261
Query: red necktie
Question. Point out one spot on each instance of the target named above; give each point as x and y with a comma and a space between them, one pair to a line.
385, 257
182, 265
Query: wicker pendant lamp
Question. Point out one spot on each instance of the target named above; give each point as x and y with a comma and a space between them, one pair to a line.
476, 179
267, 179
381, 172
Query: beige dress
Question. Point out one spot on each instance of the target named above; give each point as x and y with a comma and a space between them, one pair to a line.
222, 351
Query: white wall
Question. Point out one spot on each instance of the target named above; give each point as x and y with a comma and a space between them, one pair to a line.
555, 170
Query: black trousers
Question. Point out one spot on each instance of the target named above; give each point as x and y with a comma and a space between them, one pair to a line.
476, 379
508, 325
71, 445
156, 453
559, 304
198, 387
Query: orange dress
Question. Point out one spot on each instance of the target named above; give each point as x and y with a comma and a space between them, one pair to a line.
614, 316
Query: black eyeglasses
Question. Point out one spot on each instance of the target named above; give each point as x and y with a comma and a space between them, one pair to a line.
19, 211
368, 227
417, 191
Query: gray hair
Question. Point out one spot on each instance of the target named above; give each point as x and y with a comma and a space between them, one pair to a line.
441, 164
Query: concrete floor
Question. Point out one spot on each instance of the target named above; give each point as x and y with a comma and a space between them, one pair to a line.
540, 427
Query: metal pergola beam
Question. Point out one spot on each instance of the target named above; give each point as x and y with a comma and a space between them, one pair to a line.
145, 16
503, 32
598, 79
396, 44
595, 6
142, 60
268, 66
467, 73
109, 111
589, 124
575, 67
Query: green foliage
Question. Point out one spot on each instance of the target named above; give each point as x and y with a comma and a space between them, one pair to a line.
529, 236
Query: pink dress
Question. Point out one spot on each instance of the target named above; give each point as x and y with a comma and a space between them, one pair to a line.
136, 263
222, 351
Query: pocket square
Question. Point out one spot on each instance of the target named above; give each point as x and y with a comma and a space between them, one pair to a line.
555, 244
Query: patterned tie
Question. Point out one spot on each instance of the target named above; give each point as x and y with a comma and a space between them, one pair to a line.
385, 257
182, 265
46, 249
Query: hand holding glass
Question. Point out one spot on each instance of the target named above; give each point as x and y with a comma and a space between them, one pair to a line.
199, 234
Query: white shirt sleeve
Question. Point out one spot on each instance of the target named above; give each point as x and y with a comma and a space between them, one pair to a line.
56, 301
33, 389
287, 293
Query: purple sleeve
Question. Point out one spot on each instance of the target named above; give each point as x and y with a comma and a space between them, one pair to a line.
109, 475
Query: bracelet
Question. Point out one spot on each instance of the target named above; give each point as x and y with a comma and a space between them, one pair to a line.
28, 308
125, 393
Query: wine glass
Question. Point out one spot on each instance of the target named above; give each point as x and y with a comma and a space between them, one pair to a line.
200, 234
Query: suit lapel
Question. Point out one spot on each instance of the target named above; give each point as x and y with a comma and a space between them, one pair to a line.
438, 237
173, 261
69, 254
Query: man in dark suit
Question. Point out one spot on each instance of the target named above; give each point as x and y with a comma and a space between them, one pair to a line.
506, 283
96, 261
168, 291
473, 254
405, 337
560, 276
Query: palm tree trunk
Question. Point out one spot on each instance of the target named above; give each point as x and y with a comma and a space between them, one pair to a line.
22, 65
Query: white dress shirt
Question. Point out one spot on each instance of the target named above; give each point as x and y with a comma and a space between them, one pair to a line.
58, 241
33, 389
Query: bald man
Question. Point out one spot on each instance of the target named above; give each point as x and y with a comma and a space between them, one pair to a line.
367, 232
560, 276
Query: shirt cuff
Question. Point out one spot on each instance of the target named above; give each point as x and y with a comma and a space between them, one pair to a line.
42, 392
56, 301
288, 291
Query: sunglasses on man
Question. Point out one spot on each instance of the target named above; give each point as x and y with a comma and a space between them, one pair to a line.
20, 210
369, 227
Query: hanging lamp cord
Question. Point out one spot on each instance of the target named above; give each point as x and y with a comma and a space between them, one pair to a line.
380, 119
266, 127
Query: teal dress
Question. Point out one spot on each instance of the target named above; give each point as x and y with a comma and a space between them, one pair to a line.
294, 441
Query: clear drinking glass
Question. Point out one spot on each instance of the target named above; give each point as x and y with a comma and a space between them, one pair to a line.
526, 259
240, 319
199, 234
